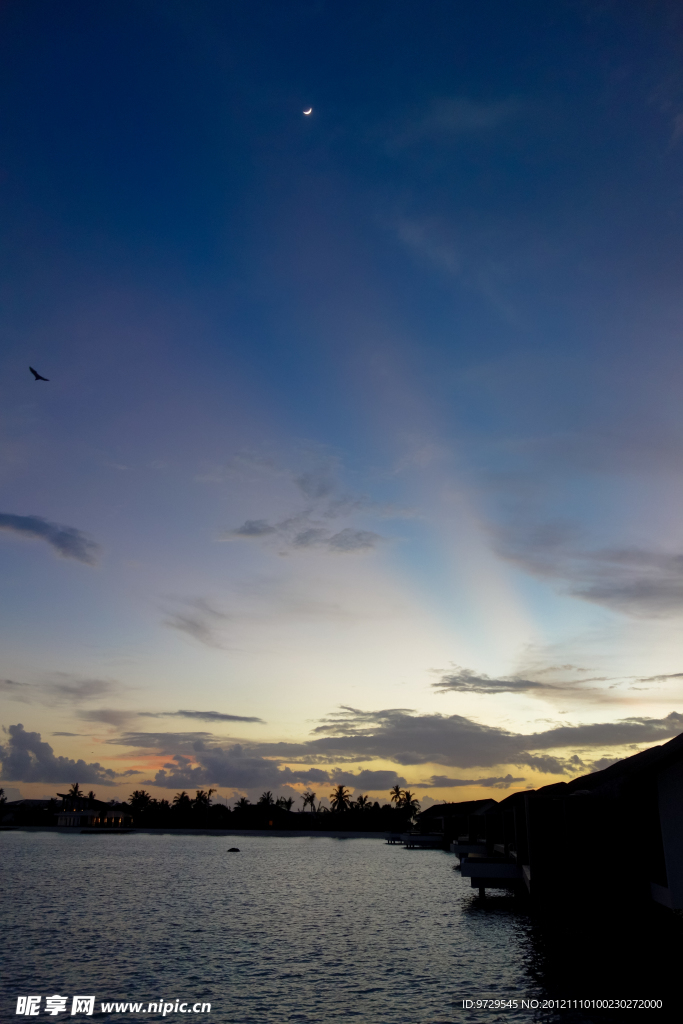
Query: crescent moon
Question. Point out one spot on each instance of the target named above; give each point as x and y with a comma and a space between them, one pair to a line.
309, 111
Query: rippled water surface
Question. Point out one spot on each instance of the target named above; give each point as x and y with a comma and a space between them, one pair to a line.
290, 929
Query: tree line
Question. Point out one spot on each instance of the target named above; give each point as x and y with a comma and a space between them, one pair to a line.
359, 813
344, 813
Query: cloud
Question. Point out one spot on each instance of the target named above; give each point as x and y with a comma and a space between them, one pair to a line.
309, 538
406, 738
203, 716
15, 691
198, 759
237, 767
318, 483
609, 734
302, 531
631, 580
76, 691
450, 117
395, 735
25, 758
232, 767
198, 619
660, 678
168, 742
65, 540
310, 527
353, 540
603, 762
110, 716
365, 779
464, 680
254, 528
427, 240
64, 688
491, 782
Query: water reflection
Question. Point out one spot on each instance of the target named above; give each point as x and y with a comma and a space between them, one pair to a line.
305, 929
610, 953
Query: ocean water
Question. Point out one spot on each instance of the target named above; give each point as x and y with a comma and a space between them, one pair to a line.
309, 930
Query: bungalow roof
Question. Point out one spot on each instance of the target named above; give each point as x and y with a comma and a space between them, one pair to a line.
630, 771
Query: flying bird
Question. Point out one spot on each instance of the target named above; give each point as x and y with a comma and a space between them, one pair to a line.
36, 375
309, 111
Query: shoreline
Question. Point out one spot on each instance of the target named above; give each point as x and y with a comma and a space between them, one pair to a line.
218, 832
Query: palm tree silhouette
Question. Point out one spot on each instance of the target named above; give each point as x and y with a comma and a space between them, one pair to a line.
363, 803
75, 791
266, 799
340, 798
242, 804
410, 802
285, 802
396, 795
309, 799
203, 798
139, 799
182, 802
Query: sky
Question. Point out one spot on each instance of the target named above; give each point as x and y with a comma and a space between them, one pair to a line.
359, 458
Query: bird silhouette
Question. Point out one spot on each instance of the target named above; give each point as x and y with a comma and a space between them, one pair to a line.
37, 376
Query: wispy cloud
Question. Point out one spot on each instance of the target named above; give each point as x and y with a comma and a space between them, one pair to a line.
253, 528
305, 531
376, 781
660, 678
67, 541
167, 742
490, 782
16, 691
198, 619
202, 716
464, 680
487, 264
635, 581
353, 540
309, 527
448, 118
108, 716
319, 482
67, 689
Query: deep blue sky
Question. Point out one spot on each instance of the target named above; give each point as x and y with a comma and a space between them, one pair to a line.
349, 403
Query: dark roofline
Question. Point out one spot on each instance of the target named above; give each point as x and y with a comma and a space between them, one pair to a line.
461, 806
28, 803
629, 771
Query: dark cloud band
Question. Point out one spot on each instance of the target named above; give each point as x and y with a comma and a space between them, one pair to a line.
65, 540
201, 716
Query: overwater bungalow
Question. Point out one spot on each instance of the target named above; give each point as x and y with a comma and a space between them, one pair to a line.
615, 835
